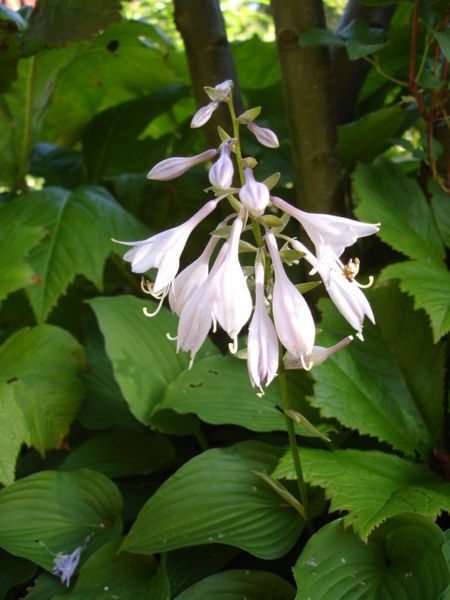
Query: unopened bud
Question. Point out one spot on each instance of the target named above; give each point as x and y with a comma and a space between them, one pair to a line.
254, 195
203, 115
265, 136
221, 91
177, 165
222, 171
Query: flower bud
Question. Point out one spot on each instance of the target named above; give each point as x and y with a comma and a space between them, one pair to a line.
254, 195
177, 165
203, 114
221, 91
265, 136
222, 171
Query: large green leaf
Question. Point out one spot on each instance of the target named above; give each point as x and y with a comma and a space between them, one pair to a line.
121, 453
430, 287
14, 571
110, 574
144, 360
51, 512
235, 585
402, 560
45, 587
40, 391
217, 497
11, 27
16, 242
80, 227
110, 141
256, 63
372, 486
391, 385
364, 139
388, 196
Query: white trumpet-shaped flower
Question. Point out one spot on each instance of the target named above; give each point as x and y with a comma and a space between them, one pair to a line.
222, 171
254, 195
229, 294
265, 136
343, 290
190, 278
196, 317
317, 356
170, 168
204, 114
262, 344
163, 250
336, 232
293, 319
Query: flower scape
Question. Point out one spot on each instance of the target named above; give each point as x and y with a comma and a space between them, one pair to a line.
216, 290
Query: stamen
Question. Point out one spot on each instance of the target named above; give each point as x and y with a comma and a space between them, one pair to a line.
233, 346
146, 285
191, 362
214, 324
365, 285
261, 392
308, 366
147, 313
172, 338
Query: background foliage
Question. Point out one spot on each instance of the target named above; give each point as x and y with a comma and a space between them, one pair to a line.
176, 482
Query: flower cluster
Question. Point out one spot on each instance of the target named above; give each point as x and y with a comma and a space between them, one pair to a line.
216, 290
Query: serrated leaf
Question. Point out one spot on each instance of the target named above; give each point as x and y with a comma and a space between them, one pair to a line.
237, 508
430, 287
16, 241
50, 512
403, 559
440, 203
110, 574
40, 391
53, 23
145, 362
362, 39
238, 584
122, 453
384, 387
443, 37
386, 195
371, 486
80, 226
364, 139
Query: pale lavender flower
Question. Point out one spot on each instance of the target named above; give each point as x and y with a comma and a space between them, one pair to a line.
254, 196
293, 319
190, 278
336, 232
317, 356
222, 171
204, 114
262, 344
163, 250
65, 565
196, 317
221, 91
229, 294
170, 168
265, 136
345, 292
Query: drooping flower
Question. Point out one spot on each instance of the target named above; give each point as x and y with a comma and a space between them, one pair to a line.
163, 250
170, 168
190, 278
196, 317
222, 171
265, 136
336, 232
262, 344
253, 194
293, 319
229, 295
65, 565
317, 356
344, 291
204, 114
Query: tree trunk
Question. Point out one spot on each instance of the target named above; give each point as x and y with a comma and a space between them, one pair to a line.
310, 108
201, 25
348, 76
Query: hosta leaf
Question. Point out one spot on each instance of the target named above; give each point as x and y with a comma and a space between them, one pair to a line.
110, 574
216, 497
372, 486
388, 196
121, 453
40, 391
45, 587
235, 585
13, 571
80, 227
51, 512
390, 386
403, 559
145, 362
430, 287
